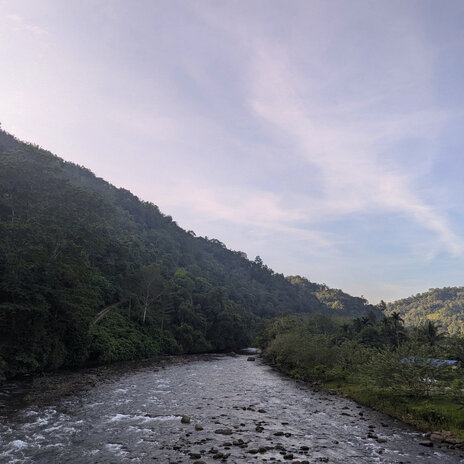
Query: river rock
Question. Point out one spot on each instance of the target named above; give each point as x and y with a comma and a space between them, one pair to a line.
198, 427
436, 437
223, 431
426, 443
452, 441
288, 456
185, 419
250, 358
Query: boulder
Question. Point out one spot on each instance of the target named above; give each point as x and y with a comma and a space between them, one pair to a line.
223, 431
435, 436
426, 443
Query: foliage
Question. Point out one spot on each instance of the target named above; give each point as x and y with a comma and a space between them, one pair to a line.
90, 274
444, 306
405, 372
379, 363
339, 302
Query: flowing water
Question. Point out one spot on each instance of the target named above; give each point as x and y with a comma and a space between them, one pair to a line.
261, 415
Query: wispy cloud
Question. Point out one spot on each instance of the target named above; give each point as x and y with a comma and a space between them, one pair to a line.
323, 136
261, 212
347, 148
18, 24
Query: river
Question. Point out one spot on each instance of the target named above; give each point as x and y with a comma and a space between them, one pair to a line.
240, 412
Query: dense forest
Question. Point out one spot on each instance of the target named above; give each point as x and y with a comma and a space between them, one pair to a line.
445, 306
415, 374
91, 274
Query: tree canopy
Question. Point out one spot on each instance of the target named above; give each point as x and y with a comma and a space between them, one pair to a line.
444, 306
92, 274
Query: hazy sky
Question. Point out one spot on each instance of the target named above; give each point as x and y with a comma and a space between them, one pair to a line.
325, 136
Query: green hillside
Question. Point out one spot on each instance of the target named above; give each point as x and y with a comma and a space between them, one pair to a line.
92, 274
444, 306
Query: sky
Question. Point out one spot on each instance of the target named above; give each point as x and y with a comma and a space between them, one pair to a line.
324, 136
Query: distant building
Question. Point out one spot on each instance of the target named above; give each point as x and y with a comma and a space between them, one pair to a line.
432, 361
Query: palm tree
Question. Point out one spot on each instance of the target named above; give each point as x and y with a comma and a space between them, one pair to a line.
360, 322
385, 321
396, 318
397, 321
430, 333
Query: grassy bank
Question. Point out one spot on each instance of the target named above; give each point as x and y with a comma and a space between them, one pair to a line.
390, 369
427, 414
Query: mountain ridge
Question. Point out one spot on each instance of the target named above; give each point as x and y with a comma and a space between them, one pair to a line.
444, 306
73, 244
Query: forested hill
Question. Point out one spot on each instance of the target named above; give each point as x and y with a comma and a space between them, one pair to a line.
445, 306
90, 273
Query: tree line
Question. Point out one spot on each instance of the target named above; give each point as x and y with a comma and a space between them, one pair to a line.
92, 274
441, 305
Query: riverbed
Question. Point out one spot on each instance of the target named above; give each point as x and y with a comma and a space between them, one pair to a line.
218, 409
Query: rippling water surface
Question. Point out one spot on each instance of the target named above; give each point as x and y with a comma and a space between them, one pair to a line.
270, 418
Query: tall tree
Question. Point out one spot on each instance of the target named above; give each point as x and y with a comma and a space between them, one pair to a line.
151, 286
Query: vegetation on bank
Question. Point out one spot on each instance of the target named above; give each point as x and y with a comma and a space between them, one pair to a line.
442, 305
378, 363
91, 274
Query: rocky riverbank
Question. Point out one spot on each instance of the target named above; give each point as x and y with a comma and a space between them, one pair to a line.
43, 389
216, 409
437, 438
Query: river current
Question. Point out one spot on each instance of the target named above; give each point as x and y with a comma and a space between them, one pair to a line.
240, 412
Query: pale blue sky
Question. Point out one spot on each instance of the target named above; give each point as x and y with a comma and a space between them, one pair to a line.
324, 136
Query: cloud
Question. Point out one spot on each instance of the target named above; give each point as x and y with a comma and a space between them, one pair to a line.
262, 213
347, 147
18, 24
308, 133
